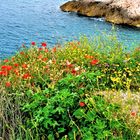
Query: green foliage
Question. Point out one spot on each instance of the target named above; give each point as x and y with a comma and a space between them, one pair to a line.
58, 114
84, 90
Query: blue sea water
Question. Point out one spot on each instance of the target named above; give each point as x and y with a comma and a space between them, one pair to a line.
23, 21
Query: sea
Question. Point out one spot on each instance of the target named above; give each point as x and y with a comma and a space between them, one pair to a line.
24, 21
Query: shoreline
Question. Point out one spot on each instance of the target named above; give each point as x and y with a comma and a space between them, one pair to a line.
111, 12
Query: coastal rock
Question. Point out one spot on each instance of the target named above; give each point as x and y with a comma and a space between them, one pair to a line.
115, 11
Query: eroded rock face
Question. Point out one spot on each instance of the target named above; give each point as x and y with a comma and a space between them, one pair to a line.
115, 11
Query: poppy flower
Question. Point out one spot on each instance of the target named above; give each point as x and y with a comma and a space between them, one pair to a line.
133, 113
89, 56
16, 65
94, 62
73, 71
82, 104
7, 84
40, 49
6, 60
33, 43
44, 44
26, 76
7, 68
16, 71
24, 66
3, 73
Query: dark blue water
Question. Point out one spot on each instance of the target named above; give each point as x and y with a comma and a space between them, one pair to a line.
23, 21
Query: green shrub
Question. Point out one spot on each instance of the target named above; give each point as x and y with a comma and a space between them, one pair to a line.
83, 90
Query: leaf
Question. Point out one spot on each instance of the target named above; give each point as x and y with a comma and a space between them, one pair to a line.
90, 116
79, 113
88, 136
50, 137
100, 124
60, 130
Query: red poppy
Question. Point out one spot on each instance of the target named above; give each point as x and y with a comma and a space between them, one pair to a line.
70, 65
33, 43
133, 113
6, 60
26, 76
24, 66
44, 44
16, 65
7, 68
94, 62
3, 73
82, 104
40, 49
73, 71
7, 84
16, 71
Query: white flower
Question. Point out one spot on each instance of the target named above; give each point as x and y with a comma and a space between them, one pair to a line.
77, 68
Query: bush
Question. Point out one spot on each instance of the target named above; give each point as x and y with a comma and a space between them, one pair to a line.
84, 90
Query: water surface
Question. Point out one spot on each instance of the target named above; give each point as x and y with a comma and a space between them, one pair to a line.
23, 21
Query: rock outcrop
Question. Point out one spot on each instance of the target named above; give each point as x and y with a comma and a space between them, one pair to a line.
115, 11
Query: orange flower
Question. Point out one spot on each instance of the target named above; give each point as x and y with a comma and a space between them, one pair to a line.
13, 58
94, 62
44, 59
46, 50
133, 113
7, 84
40, 56
24, 66
54, 49
21, 53
89, 56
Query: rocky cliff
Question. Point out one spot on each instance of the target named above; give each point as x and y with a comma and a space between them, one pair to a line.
115, 11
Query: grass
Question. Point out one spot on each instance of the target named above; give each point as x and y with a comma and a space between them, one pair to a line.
83, 90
